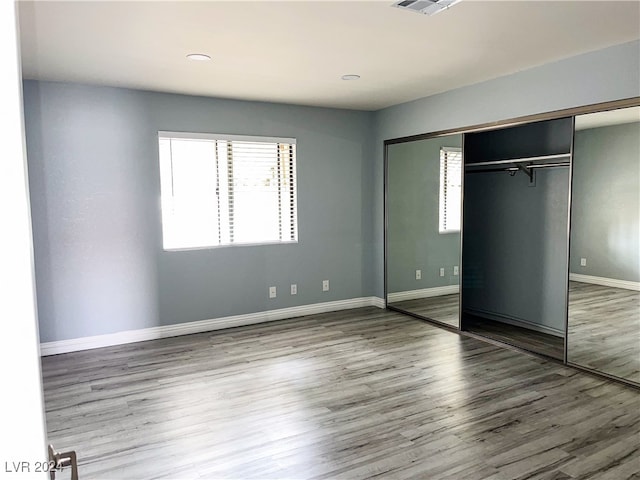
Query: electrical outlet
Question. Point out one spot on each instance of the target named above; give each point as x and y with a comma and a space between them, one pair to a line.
456, 270
294, 289
272, 292
583, 262
442, 272
418, 274
325, 285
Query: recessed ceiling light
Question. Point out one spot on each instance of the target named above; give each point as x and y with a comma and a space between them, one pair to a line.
350, 77
201, 57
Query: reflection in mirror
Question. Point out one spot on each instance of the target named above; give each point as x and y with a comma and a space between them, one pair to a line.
423, 227
604, 271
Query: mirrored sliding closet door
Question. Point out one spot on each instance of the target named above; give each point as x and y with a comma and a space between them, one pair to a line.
604, 267
423, 227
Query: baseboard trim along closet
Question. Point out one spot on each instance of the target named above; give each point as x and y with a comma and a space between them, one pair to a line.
606, 282
152, 333
516, 322
423, 293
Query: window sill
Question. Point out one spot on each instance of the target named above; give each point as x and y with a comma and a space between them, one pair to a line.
228, 245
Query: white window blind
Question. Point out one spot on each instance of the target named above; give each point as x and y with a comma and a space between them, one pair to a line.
450, 189
225, 190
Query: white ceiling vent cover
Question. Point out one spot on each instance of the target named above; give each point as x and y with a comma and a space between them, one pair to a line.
426, 7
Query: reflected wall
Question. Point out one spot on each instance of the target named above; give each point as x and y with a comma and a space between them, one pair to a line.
604, 277
422, 260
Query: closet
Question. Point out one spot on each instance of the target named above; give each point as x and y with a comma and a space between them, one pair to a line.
545, 255
515, 241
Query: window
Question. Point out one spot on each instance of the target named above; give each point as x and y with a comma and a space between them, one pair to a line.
450, 189
227, 190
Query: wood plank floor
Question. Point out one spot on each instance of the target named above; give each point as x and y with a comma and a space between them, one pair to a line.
521, 337
604, 329
445, 309
354, 394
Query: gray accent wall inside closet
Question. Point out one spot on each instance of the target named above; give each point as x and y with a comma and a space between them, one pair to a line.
605, 206
95, 196
515, 247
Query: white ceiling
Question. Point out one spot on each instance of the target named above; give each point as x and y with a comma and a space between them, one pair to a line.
296, 51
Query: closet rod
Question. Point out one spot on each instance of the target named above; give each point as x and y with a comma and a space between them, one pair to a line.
550, 165
515, 169
521, 160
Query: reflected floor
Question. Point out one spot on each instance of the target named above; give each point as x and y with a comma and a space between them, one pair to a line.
442, 309
604, 329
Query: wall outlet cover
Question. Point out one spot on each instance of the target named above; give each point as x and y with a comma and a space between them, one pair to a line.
272, 292
325, 285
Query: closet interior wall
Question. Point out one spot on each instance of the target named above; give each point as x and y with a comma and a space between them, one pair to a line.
515, 234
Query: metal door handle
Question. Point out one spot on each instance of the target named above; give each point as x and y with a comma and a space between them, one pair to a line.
62, 460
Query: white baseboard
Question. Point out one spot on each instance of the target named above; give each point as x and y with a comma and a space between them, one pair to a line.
377, 302
518, 322
152, 333
607, 282
423, 293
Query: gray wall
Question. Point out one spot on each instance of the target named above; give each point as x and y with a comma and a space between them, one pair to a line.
95, 192
515, 246
93, 167
609, 74
413, 211
605, 209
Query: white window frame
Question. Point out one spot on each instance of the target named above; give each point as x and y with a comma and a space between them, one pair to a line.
225, 189
450, 185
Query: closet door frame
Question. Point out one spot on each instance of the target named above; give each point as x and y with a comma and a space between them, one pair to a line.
566, 291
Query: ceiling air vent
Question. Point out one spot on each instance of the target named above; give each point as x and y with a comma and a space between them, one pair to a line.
426, 7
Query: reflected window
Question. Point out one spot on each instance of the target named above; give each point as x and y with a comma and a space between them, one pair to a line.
450, 189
